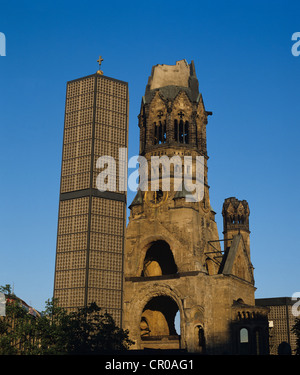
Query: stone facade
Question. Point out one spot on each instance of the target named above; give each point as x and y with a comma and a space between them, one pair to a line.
174, 259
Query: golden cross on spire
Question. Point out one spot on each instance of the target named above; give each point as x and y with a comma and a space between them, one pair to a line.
99, 61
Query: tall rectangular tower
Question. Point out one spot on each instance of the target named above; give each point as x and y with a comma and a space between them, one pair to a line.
91, 223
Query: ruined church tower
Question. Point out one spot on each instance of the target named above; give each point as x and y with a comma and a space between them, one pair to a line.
174, 259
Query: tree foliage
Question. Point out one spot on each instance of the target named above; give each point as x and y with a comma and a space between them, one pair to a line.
16, 328
86, 331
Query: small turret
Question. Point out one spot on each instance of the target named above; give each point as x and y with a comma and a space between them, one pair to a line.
236, 220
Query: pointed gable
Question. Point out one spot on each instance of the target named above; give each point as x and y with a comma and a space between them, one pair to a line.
236, 261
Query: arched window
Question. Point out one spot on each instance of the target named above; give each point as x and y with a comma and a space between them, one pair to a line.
186, 132
244, 347
199, 339
159, 260
160, 132
158, 317
176, 130
244, 336
257, 342
181, 131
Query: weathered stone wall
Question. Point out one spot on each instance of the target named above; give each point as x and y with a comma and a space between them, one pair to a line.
209, 286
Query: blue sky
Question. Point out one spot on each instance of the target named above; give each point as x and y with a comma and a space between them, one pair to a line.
247, 75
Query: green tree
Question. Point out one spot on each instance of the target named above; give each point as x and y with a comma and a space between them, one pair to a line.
89, 331
6, 289
86, 331
50, 329
17, 328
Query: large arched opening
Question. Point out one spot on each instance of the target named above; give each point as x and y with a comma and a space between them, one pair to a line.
159, 260
158, 325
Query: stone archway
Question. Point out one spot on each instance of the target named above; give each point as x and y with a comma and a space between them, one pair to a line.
156, 323
141, 248
159, 260
159, 316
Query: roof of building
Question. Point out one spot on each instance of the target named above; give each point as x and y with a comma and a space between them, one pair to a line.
274, 301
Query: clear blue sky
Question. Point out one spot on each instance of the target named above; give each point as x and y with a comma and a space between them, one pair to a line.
249, 80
